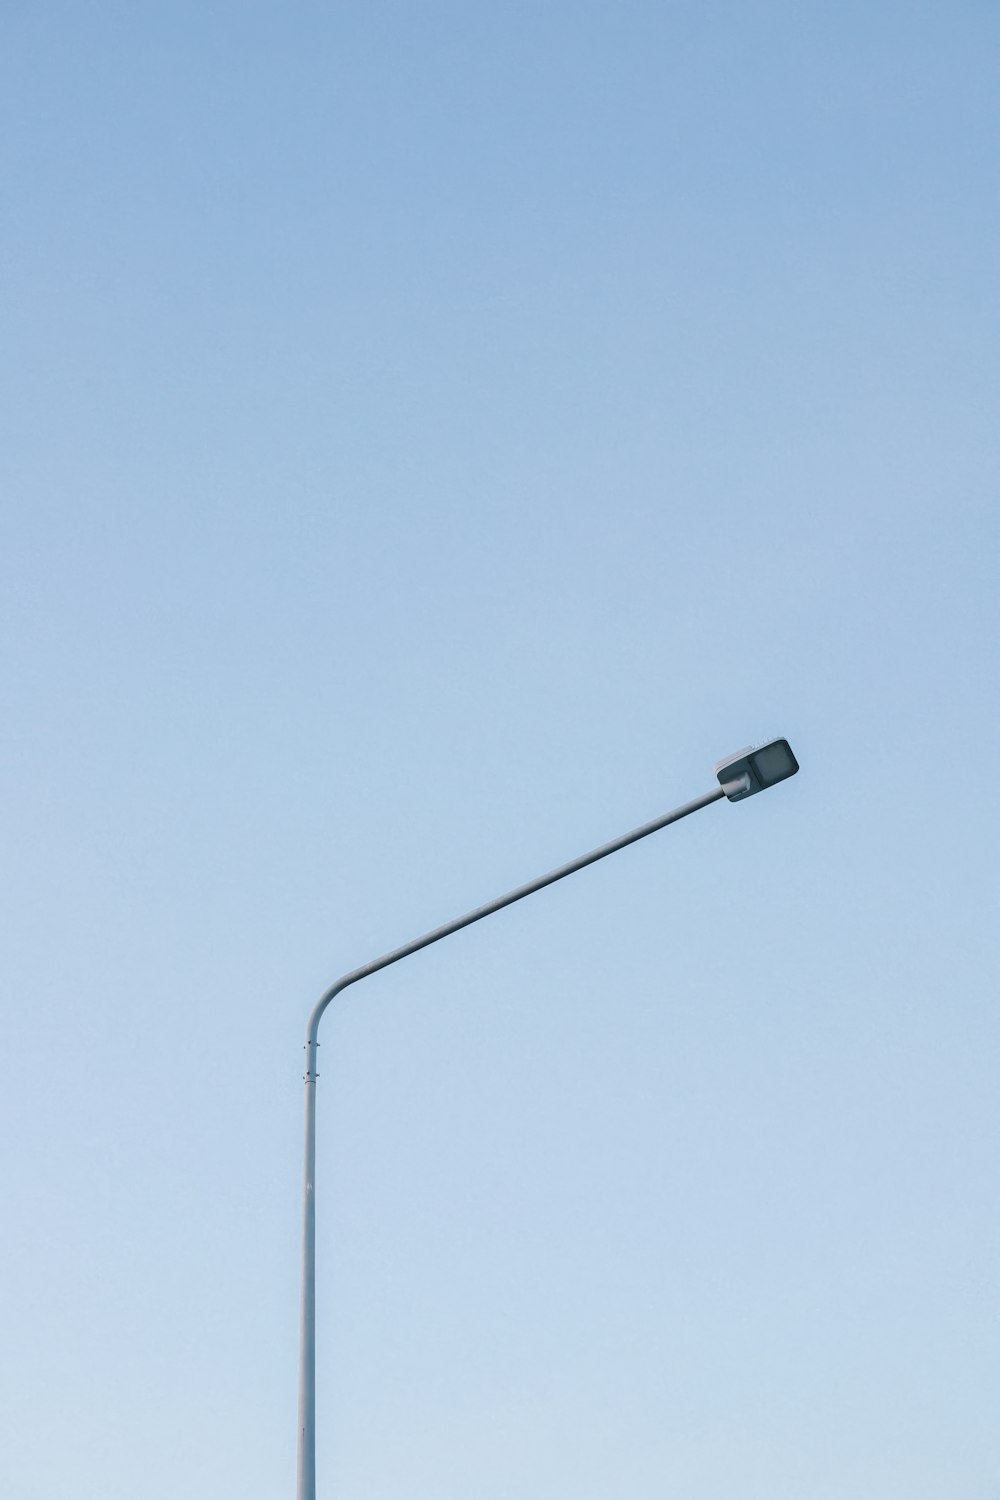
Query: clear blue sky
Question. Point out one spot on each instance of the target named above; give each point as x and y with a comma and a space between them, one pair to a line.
433, 435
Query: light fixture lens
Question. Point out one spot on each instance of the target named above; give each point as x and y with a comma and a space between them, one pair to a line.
755, 769
774, 762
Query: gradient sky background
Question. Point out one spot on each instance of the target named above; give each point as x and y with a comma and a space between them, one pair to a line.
434, 434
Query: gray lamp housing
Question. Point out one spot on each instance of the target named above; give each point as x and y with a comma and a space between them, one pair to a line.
755, 769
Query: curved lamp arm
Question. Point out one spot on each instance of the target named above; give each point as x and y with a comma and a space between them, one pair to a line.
487, 911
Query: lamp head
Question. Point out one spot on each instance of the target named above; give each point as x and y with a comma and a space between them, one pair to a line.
755, 769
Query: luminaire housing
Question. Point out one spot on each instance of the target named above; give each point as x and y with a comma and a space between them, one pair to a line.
755, 769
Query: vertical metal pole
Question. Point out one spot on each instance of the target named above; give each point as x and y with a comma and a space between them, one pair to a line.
306, 1489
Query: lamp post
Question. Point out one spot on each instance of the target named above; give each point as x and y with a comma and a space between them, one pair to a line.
739, 776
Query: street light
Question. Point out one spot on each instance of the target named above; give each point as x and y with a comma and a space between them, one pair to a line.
741, 775
755, 769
